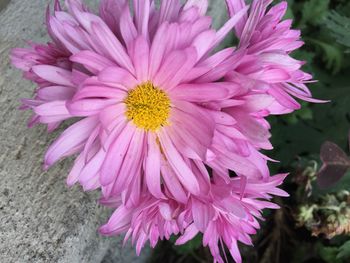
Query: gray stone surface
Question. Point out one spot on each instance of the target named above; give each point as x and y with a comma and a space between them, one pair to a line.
41, 220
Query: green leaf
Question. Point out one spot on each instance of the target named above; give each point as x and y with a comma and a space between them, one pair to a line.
332, 55
340, 27
313, 11
344, 251
289, 14
328, 254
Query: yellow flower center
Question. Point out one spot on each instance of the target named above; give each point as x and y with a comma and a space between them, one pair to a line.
148, 106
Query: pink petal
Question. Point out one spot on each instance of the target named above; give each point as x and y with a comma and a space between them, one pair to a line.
234, 251
142, 15
152, 167
70, 138
202, 214
252, 22
190, 232
115, 156
200, 92
158, 49
112, 45
274, 76
118, 77
92, 61
234, 6
111, 12
127, 26
52, 93
172, 183
229, 25
183, 172
169, 10
238, 163
54, 109
141, 58
257, 102
75, 171
203, 42
165, 211
110, 116
90, 92
131, 163
53, 74
89, 107
118, 222
92, 168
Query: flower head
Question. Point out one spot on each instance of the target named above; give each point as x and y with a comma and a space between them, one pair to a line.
268, 65
55, 88
169, 129
144, 102
224, 216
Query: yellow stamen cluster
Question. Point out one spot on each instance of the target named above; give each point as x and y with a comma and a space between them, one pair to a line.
148, 106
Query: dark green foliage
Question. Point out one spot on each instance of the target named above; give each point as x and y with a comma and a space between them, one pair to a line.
339, 25
313, 11
344, 251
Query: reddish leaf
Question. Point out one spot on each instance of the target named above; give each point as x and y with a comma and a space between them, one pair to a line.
335, 165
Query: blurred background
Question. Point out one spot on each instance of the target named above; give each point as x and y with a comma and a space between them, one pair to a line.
313, 225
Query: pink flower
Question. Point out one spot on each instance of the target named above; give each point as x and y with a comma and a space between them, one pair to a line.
151, 220
151, 102
169, 129
53, 91
268, 65
224, 216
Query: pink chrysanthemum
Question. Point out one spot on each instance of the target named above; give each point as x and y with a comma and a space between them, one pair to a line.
225, 215
147, 100
169, 129
53, 90
268, 65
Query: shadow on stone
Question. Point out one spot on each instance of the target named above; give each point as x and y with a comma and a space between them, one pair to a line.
3, 4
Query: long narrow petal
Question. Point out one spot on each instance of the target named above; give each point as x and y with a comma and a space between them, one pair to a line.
118, 77
234, 6
142, 14
112, 46
152, 167
131, 162
53, 74
92, 61
70, 138
200, 92
89, 107
183, 172
190, 232
115, 156
172, 183
127, 27
141, 58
